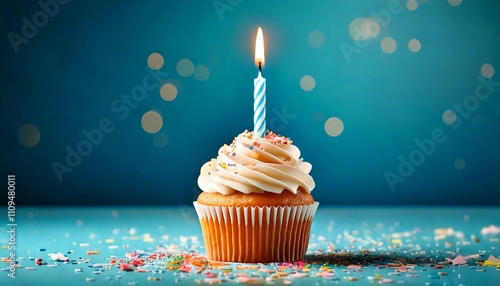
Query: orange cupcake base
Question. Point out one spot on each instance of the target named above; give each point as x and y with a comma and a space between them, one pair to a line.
256, 234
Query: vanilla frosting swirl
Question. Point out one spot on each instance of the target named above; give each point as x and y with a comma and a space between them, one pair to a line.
256, 165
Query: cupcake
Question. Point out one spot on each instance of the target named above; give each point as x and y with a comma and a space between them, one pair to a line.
256, 204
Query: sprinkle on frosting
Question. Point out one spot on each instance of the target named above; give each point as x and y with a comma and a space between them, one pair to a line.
274, 138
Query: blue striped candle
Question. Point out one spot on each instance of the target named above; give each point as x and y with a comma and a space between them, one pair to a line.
259, 90
259, 106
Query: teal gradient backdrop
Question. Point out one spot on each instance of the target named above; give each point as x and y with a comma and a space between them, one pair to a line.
420, 122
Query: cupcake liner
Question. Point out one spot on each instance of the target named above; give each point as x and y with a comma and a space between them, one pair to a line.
256, 234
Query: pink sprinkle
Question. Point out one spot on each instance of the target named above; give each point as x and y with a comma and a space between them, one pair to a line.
185, 268
210, 275
401, 268
126, 267
459, 260
353, 266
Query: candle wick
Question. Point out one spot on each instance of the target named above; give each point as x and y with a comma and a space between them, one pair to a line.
260, 66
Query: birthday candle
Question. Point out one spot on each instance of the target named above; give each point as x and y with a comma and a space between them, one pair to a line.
259, 91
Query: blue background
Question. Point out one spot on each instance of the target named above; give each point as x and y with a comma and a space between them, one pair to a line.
65, 78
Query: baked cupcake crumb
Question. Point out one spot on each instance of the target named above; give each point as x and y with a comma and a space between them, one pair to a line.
256, 199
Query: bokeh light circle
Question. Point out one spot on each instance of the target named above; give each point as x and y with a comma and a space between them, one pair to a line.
160, 140
449, 117
168, 92
28, 135
155, 61
455, 2
412, 5
201, 73
318, 116
334, 126
487, 70
316, 39
370, 28
355, 29
476, 118
388, 45
459, 164
307, 83
151, 122
363, 28
414, 45
185, 68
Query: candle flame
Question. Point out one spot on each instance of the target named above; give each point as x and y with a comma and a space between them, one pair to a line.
259, 48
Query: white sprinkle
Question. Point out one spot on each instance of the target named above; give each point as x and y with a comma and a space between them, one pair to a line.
296, 275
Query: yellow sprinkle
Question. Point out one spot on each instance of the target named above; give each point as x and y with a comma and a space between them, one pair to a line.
5, 247
281, 273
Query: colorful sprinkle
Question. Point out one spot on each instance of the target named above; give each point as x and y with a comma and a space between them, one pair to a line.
93, 252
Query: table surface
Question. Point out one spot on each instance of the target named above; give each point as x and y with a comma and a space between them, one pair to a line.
359, 245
